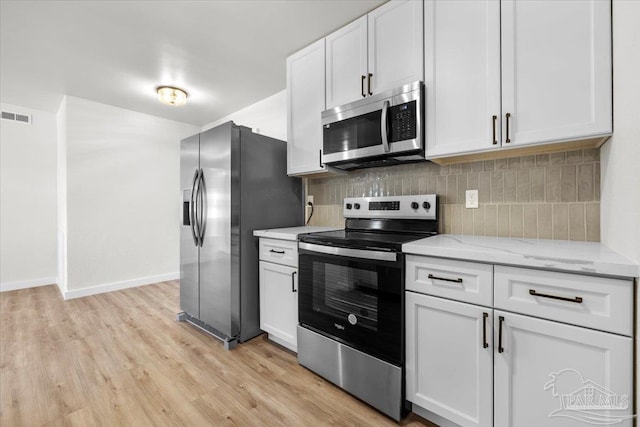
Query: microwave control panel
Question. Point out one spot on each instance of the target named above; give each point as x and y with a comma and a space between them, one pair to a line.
403, 122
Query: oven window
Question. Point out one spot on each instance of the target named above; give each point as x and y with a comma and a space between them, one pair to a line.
358, 302
350, 134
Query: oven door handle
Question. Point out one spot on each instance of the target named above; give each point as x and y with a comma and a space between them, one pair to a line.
348, 252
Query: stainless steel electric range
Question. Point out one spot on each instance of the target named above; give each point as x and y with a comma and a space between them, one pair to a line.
351, 297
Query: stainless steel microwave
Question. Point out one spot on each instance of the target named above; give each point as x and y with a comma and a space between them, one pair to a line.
383, 129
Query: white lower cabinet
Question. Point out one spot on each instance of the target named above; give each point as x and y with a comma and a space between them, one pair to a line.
551, 374
450, 359
279, 303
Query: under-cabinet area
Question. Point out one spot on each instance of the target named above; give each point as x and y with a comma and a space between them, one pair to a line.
501, 345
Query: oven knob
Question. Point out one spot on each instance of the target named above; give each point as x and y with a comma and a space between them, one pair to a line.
356, 205
414, 205
348, 205
352, 319
426, 205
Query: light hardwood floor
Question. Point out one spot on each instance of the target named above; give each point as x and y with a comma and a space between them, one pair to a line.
122, 359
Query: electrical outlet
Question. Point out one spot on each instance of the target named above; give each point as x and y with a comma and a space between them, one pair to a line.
309, 199
471, 198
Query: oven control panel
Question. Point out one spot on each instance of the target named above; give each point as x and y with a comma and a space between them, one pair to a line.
422, 206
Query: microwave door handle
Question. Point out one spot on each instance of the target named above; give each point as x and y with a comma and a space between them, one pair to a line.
383, 127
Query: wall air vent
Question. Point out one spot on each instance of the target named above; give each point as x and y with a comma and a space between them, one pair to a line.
17, 117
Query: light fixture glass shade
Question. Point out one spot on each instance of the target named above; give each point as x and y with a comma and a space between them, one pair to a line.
172, 95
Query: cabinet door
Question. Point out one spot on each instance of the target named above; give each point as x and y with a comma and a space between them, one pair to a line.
449, 369
462, 76
547, 369
279, 302
396, 51
556, 70
305, 103
347, 63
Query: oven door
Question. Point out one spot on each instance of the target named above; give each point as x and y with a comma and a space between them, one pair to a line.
353, 296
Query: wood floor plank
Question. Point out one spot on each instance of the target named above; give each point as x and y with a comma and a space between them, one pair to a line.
121, 358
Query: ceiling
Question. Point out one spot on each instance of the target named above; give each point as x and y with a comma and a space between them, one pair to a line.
226, 54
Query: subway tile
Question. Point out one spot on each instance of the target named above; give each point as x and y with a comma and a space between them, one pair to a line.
472, 181
444, 170
462, 187
432, 185
514, 163
467, 221
592, 214
536, 176
484, 187
552, 183
530, 221
479, 221
504, 228
591, 155
577, 227
477, 166
524, 185
455, 168
560, 218
516, 225
545, 221
445, 218
586, 182
510, 185
456, 219
497, 187
527, 161
406, 186
502, 164
415, 185
596, 181
542, 160
557, 158
441, 188
568, 191
574, 156
489, 165
423, 185
491, 220
452, 189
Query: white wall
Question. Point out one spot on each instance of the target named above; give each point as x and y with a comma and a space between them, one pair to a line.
122, 170
620, 156
27, 200
266, 117
61, 194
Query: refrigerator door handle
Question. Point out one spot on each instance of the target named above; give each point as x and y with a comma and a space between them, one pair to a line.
202, 188
192, 210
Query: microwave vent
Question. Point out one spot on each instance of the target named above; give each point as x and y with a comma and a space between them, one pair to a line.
16, 117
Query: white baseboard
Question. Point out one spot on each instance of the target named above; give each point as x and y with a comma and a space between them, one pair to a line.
24, 284
116, 286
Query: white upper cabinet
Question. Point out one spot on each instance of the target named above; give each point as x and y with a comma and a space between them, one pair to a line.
511, 73
377, 52
305, 102
462, 75
556, 69
347, 63
395, 45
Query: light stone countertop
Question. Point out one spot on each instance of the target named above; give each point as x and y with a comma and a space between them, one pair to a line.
561, 255
291, 233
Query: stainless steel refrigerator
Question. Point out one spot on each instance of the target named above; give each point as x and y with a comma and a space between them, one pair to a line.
233, 182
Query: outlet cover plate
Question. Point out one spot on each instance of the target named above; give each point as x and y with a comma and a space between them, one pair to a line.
310, 199
471, 197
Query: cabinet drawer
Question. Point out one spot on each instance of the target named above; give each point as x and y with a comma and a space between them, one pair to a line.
459, 280
279, 251
594, 302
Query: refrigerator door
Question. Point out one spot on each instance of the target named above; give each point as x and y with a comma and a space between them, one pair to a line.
189, 283
216, 221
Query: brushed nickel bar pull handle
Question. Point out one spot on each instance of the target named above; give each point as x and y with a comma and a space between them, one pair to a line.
276, 252
364, 95
495, 141
508, 116
485, 344
500, 348
369, 83
458, 280
293, 282
577, 300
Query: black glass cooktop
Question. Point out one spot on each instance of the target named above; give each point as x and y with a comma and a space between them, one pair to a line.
363, 239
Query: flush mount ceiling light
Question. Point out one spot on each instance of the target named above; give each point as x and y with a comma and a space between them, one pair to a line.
172, 95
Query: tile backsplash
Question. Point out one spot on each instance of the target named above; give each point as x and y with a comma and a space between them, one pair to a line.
546, 196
